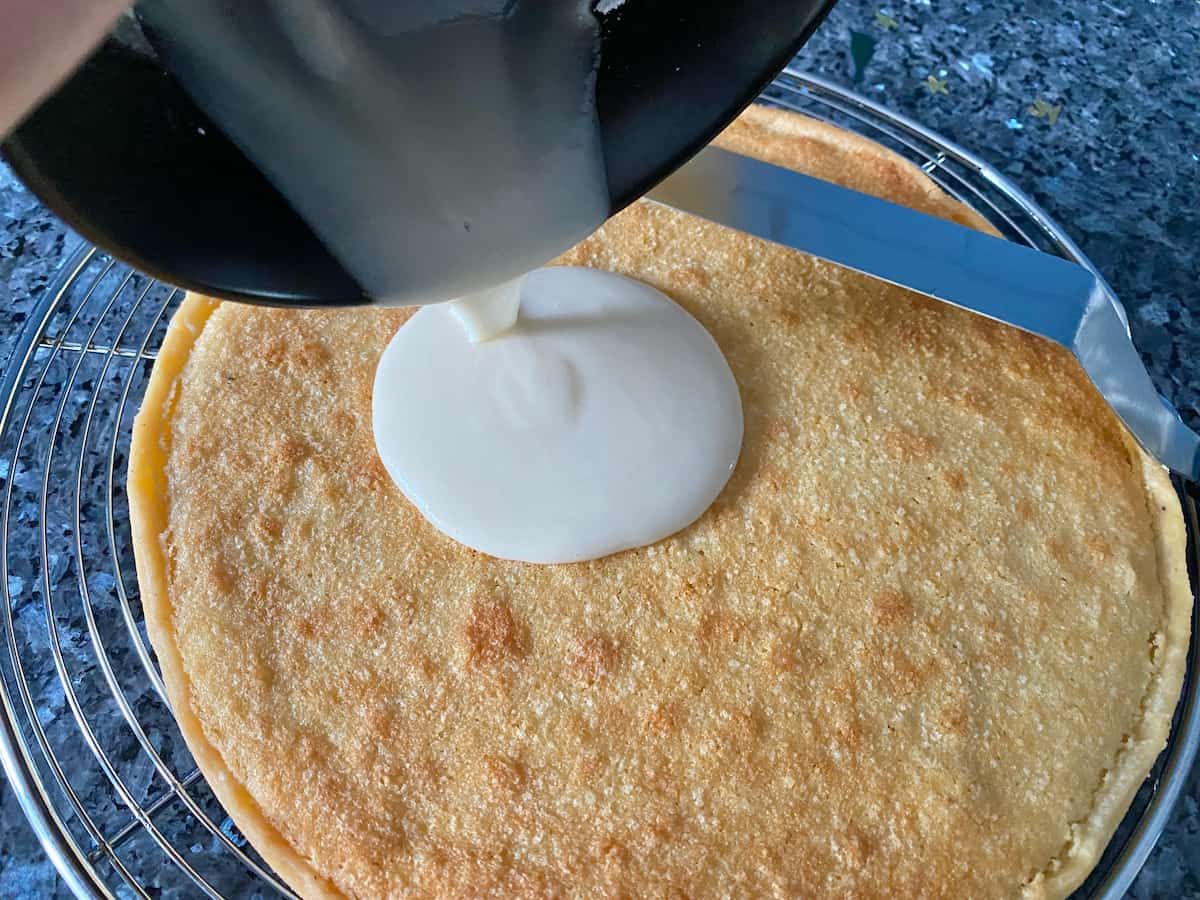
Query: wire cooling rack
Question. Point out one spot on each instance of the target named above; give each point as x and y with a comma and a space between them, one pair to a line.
86, 738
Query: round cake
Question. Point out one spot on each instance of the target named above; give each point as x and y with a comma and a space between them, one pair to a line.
927, 642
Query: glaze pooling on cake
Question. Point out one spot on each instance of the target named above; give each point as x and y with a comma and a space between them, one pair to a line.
605, 419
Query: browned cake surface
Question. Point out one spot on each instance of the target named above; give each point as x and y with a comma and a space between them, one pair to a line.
926, 643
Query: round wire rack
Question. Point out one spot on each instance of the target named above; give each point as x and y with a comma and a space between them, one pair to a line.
86, 737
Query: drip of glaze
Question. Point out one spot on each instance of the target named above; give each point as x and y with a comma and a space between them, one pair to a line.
489, 313
605, 419
436, 148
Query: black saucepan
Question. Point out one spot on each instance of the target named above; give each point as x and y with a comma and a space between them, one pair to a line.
123, 155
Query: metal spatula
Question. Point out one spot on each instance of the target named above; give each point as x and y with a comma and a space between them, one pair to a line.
999, 279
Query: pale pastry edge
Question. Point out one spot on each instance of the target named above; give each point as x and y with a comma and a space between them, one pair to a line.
148, 510
1088, 837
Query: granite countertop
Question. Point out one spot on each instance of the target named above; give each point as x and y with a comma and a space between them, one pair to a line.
1092, 106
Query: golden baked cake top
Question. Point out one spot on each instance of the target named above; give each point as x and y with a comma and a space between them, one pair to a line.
927, 642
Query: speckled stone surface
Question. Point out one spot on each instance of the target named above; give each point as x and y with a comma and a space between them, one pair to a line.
1092, 106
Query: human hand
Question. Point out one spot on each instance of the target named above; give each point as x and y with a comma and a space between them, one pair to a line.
41, 41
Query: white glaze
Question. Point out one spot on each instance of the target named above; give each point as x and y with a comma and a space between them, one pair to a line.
607, 418
489, 313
